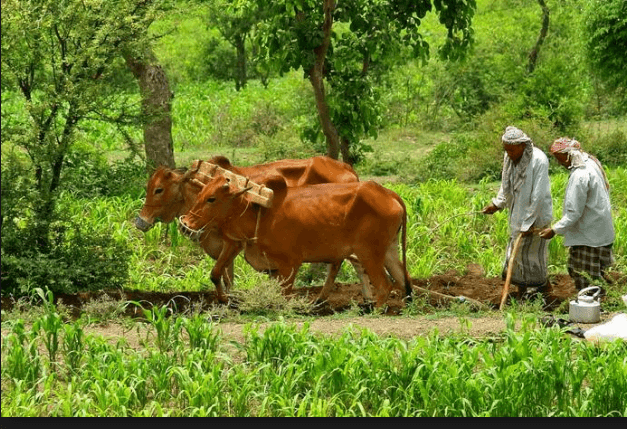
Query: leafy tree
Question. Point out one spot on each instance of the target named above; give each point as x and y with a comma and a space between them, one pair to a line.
606, 41
235, 24
346, 45
58, 57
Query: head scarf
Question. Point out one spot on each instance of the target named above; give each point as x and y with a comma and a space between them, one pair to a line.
513, 175
572, 148
514, 136
577, 157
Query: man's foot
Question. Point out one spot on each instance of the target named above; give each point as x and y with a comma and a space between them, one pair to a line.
534, 292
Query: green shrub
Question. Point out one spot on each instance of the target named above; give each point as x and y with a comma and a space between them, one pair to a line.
17, 184
87, 174
80, 259
467, 158
610, 149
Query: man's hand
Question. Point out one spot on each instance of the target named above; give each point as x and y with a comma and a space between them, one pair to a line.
547, 233
490, 209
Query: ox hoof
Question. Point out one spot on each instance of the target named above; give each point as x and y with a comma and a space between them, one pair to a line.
224, 299
367, 307
320, 300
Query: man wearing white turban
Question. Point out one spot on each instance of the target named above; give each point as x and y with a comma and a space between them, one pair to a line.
586, 223
526, 191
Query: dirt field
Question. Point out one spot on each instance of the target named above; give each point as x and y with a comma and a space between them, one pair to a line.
439, 291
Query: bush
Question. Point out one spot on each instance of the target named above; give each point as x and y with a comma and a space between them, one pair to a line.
267, 299
87, 174
610, 149
80, 259
16, 184
467, 158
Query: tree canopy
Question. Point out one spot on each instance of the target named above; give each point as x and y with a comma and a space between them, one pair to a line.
60, 59
346, 45
606, 40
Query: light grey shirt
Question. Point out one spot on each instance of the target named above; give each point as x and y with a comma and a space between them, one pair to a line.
531, 205
587, 213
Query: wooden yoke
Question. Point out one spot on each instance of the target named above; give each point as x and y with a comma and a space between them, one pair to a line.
259, 193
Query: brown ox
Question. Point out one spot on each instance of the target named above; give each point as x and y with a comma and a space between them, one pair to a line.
317, 223
170, 193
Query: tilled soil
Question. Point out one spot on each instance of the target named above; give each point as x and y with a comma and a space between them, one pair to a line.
472, 288
439, 291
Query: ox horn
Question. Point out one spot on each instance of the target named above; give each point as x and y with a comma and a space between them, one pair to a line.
189, 174
240, 192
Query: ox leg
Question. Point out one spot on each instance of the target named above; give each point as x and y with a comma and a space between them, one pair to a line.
287, 274
227, 276
229, 252
366, 289
329, 284
213, 245
397, 271
374, 266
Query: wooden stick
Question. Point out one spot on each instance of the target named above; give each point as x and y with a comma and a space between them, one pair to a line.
510, 266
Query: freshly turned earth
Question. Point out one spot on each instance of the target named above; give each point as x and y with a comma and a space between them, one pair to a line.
473, 285
479, 292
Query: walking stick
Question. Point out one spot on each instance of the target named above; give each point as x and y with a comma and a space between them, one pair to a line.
510, 266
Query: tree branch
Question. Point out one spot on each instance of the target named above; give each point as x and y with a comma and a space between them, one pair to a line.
533, 55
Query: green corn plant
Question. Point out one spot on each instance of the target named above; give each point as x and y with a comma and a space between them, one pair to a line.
201, 333
51, 324
168, 330
23, 362
73, 345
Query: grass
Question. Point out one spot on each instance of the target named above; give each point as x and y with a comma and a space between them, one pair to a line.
186, 368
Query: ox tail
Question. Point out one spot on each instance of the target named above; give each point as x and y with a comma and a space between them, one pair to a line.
408, 289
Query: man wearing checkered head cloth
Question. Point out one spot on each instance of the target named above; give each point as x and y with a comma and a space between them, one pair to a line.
526, 192
586, 223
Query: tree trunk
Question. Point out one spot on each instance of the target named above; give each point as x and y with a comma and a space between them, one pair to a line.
533, 55
316, 76
346, 153
156, 105
241, 78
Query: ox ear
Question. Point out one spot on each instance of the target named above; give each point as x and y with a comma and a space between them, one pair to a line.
221, 161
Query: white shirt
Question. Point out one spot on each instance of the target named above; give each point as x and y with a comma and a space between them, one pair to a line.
587, 213
532, 204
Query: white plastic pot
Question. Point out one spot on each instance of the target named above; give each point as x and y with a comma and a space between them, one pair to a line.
586, 309
614, 329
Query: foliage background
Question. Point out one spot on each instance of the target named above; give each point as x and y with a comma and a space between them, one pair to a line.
438, 147
438, 141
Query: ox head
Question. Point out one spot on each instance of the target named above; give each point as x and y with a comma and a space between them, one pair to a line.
218, 202
165, 197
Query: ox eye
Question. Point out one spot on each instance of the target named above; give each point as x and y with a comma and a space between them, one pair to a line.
210, 199
158, 191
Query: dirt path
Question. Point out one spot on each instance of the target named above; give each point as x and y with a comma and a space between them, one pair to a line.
473, 285
405, 328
